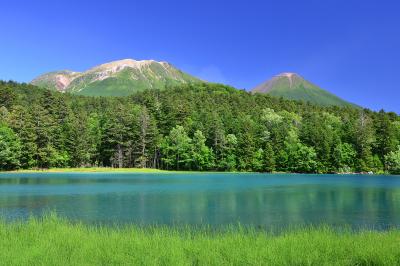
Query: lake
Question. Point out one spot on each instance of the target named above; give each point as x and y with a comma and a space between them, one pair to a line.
216, 199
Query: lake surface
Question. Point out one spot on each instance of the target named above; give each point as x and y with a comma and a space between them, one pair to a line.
262, 200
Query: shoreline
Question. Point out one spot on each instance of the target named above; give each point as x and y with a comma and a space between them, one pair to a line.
116, 170
88, 170
153, 170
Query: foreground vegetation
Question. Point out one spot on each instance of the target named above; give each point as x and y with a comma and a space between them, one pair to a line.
201, 127
53, 241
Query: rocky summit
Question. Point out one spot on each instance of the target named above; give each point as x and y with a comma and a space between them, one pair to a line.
118, 78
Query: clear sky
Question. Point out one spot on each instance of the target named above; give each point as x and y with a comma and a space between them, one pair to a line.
351, 48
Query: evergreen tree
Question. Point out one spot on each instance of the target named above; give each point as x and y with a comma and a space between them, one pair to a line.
147, 134
117, 137
364, 140
386, 140
322, 133
231, 129
7, 96
393, 161
94, 135
269, 158
203, 157
22, 122
228, 161
10, 149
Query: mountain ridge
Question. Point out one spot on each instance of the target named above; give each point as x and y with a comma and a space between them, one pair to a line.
127, 76
294, 87
116, 78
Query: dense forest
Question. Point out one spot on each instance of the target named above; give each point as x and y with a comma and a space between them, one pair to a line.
192, 127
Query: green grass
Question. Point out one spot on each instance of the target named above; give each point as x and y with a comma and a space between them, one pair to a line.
114, 170
53, 241
91, 170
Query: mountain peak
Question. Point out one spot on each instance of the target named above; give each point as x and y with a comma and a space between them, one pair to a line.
286, 79
294, 87
124, 63
116, 78
290, 76
287, 75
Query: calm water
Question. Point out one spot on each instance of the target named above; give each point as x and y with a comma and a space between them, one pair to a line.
216, 199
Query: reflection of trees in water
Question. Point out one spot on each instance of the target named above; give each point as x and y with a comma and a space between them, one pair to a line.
274, 206
263, 206
309, 204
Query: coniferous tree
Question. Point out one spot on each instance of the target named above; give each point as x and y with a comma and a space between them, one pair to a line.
392, 160
203, 157
364, 140
10, 149
22, 122
228, 158
195, 127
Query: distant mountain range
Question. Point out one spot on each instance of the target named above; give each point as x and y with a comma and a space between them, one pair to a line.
118, 78
124, 77
293, 86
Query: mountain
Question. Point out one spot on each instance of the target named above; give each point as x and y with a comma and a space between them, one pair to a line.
293, 86
118, 78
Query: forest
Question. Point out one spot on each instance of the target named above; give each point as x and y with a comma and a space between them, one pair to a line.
199, 127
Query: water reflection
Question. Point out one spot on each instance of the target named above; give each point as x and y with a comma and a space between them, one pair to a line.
215, 199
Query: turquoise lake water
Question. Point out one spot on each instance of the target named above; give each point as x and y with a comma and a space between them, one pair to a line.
262, 200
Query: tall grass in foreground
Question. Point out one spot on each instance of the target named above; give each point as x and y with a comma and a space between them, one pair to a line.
54, 241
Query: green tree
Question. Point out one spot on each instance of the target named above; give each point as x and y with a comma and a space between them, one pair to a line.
118, 130
146, 138
392, 161
297, 157
386, 140
228, 161
77, 139
268, 152
203, 157
177, 149
321, 131
3, 114
94, 135
22, 122
257, 160
344, 157
247, 151
239, 131
274, 128
7, 96
10, 149
44, 126
364, 141
269, 158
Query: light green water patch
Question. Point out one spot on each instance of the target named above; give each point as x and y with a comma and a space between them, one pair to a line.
215, 199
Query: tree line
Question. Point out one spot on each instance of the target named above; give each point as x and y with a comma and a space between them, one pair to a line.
192, 127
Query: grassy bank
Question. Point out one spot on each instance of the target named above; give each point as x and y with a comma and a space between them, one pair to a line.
143, 170
91, 170
110, 170
53, 241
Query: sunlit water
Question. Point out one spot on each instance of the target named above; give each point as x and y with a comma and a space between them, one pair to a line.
261, 200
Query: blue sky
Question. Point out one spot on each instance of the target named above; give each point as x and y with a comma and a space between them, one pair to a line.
351, 48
